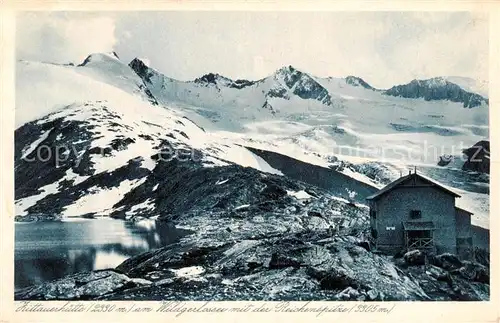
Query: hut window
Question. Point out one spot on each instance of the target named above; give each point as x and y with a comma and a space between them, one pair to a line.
373, 214
415, 214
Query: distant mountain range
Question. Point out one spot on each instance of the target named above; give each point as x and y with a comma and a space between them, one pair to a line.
288, 81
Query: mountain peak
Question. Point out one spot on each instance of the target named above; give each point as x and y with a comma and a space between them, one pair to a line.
288, 78
213, 78
289, 75
139, 61
287, 69
113, 53
432, 82
141, 69
358, 81
138, 66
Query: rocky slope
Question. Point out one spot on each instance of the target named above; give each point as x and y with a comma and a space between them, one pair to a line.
280, 246
478, 157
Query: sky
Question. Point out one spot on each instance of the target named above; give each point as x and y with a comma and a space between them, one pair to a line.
383, 48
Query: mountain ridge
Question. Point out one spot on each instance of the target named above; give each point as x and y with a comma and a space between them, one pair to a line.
350, 79
138, 64
307, 86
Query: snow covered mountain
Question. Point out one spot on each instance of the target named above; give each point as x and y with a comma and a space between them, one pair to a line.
258, 99
357, 81
100, 136
438, 88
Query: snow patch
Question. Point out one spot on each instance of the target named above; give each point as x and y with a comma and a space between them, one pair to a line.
358, 176
72, 176
148, 163
23, 204
340, 199
188, 271
146, 205
241, 207
301, 195
101, 201
34, 144
243, 157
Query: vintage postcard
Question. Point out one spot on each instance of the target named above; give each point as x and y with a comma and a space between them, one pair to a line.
237, 162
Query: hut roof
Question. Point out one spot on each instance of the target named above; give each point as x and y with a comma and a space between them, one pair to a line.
407, 178
463, 210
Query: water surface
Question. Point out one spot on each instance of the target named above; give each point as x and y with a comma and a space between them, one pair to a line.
46, 251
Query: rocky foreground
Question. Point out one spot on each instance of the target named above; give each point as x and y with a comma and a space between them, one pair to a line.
265, 237
295, 268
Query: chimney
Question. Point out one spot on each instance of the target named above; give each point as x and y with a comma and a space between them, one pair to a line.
415, 170
409, 172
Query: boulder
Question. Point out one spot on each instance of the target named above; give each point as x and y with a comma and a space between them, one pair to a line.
364, 244
445, 160
349, 294
88, 285
335, 278
475, 272
446, 261
414, 258
273, 191
314, 213
438, 273
279, 260
372, 295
